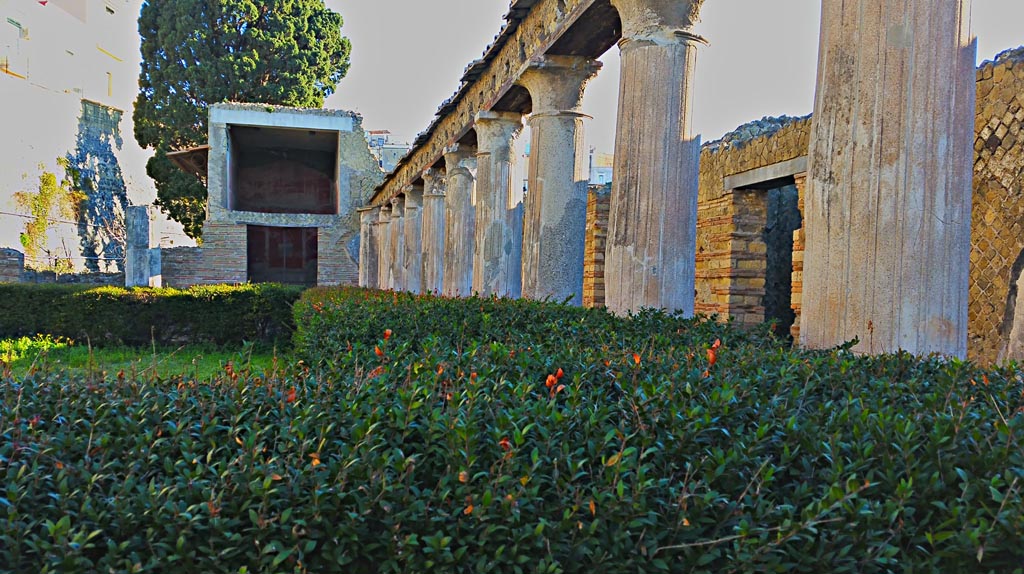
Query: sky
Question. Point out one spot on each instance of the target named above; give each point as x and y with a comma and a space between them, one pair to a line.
761, 60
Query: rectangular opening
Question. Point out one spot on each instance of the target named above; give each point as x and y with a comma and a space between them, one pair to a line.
282, 255
783, 219
280, 170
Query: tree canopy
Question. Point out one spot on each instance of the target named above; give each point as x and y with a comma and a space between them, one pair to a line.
200, 52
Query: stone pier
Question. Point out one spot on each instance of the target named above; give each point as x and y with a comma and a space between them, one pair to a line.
460, 221
383, 232
433, 230
369, 255
412, 259
888, 206
554, 222
650, 259
142, 249
397, 247
498, 251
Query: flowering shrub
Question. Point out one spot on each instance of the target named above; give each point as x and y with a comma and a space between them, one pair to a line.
218, 315
508, 436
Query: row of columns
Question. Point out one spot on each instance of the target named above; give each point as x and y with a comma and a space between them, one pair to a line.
889, 188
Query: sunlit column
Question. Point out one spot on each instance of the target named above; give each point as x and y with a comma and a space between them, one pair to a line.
555, 218
368, 246
652, 229
412, 259
384, 248
433, 230
498, 251
888, 205
460, 221
397, 256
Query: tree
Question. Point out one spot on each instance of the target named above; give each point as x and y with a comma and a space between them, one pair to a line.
199, 52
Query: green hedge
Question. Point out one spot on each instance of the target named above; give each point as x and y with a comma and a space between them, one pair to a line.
497, 436
220, 315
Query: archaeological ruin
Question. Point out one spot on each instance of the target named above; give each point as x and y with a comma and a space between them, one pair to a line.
855, 223
284, 187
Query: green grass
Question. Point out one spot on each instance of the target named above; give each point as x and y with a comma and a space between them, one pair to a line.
201, 362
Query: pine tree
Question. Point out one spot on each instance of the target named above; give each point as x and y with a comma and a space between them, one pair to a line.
200, 52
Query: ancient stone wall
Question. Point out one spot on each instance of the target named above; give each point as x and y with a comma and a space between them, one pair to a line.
995, 313
12, 265
731, 251
181, 267
598, 205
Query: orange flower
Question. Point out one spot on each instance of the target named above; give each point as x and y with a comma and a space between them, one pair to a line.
636, 358
505, 444
712, 357
463, 477
59, 465
316, 458
387, 334
378, 352
468, 510
593, 508
557, 390
716, 344
551, 381
375, 373
291, 395
559, 373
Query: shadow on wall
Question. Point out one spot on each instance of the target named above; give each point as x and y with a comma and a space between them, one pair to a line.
95, 171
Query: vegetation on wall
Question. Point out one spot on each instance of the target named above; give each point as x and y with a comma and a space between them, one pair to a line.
197, 53
52, 200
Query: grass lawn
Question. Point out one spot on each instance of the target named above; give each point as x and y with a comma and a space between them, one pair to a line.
200, 362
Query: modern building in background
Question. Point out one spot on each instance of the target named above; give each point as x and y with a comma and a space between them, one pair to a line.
68, 80
386, 151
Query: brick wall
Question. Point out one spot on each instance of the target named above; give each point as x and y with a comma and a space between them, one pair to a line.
180, 267
598, 204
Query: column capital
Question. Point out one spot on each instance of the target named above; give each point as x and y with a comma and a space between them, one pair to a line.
556, 83
433, 182
459, 157
384, 215
495, 131
659, 21
413, 196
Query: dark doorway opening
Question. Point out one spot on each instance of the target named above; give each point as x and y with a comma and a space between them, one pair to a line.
278, 170
282, 255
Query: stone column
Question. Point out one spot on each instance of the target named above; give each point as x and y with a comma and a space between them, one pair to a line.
396, 277
555, 218
460, 221
433, 230
652, 234
888, 206
142, 249
384, 248
412, 258
498, 250
368, 246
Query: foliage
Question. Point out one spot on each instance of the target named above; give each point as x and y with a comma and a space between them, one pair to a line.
13, 350
196, 53
218, 315
52, 200
583, 443
202, 362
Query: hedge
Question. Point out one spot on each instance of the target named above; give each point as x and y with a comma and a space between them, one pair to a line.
219, 315
501, 436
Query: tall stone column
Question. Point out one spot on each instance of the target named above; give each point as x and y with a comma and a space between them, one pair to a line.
460, 221
142, 253
384, 248
368, 246
396, 274
888, 206
412, 259
433, 230
498, 251
555, 214
652, 230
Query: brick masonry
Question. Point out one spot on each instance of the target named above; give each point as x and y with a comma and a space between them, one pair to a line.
598, 204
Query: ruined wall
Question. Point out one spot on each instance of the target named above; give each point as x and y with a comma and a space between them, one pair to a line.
995, 321
12, 265
598, 207
181, 267
731, 251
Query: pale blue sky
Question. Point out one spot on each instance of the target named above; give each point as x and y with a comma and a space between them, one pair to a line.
408, 56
